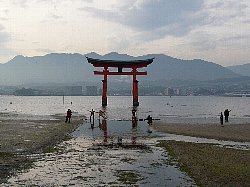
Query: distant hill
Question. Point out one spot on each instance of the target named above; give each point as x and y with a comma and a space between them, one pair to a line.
70, 68
168, 68
51, 68
241, 69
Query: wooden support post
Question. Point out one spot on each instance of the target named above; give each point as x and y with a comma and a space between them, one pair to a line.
104, 87
135, 88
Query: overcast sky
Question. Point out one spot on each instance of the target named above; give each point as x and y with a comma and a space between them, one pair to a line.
213, 30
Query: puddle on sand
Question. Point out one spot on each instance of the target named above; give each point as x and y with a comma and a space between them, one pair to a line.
83, 163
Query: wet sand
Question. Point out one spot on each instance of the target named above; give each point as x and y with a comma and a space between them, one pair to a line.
232, 132
22, 135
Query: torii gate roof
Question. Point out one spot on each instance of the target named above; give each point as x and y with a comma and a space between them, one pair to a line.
119, 63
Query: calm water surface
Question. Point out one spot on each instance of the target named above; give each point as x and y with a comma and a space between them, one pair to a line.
119, 107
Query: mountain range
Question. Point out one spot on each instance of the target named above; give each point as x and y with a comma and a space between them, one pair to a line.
241, 69
71, 68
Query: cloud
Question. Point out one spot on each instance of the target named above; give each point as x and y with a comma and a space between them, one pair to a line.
201, 41
157, 17
220, 12
117, 43
4, 37
1, 27
44, 50
227, 26
56, 17
53, 19
21, 3
88, 1
4, 50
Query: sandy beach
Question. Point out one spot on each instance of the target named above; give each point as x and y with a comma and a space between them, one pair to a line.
25, 134
233, 132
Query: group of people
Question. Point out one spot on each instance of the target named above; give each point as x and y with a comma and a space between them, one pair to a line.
149, 119
226, 114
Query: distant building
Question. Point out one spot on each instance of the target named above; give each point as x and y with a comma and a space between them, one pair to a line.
169, 91
172, 91
177, 91
91, 90
73, 90
26, 92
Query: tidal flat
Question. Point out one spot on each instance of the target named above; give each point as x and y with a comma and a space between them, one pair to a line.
211, 165
22, 135
93, 157
41, 150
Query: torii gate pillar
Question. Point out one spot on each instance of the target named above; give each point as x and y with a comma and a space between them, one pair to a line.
104, 88
135, 89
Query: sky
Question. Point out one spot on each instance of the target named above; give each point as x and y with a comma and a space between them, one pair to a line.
213, 30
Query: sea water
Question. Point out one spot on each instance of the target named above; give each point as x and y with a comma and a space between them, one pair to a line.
178, 108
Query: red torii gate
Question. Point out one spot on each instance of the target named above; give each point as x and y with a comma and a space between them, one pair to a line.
134, 64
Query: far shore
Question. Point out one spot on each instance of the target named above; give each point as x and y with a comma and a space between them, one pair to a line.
229, 131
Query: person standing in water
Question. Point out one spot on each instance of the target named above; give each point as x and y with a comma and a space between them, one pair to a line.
92, 116
221, 119
226, 114
150, 120
68, 116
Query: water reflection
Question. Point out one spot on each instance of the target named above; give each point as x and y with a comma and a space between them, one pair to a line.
103, 126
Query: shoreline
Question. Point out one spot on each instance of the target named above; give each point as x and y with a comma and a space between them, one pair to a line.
22, 135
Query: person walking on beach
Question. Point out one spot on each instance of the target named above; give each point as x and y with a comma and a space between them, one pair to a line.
221, 119
68, 116
226, 114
